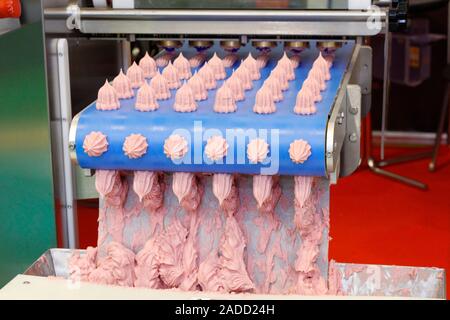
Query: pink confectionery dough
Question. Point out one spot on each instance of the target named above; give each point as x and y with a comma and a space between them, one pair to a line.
207, 74
261, 60
267, 192
170, 73
252, 66
175, 147
150, 187
198, 87
107, 98
299, 151
296, 60
188, 190
183, 67
302, 190
324, 66
147, 266
274, 86
317, 74
226, 192
218, 67
264, 101
163, 60
146, 99
160, 87
116, 268
95, 144
221, 186
136, 75
111, 187
314, 87
197, 60
216, 148
148, 66
82, 265
229, 60
244, 75
236, 86
257, 150
225, 102
225, 270
122, 85
184, 99
304, 104
286, 64
279, 74
135, 146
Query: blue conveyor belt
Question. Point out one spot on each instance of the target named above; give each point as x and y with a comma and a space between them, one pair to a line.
283, 126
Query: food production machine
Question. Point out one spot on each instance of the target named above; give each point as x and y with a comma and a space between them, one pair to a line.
212, 132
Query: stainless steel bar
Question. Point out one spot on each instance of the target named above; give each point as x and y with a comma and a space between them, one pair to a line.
404, 158
386, 88
437, 144
213, 15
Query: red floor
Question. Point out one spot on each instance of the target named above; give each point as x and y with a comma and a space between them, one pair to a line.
375, 220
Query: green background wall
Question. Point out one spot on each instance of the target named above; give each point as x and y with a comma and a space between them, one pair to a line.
27, 218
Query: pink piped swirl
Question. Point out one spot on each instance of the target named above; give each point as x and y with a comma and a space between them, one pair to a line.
175, 147
252, 66
221, 185
262, 60
143, 182
304, 104
170, 73
312, 85
107, 98
146, 99
160, 87
148, 66
264, 101
163, 60
280, 75
324, 66
135, 146
286, 65
216, 148
317, 74
229, 60
296, 60
197, 85
225, 102
274, 86
235, 84
183, 67
257, 150
218, 68
136, 75
299, 151
122, 85
184, 99
244, 75
95, 144
262, 188
207, 74
197, 60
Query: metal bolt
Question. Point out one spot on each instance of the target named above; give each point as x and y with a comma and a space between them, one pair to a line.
354, 110
353, 137
72, 146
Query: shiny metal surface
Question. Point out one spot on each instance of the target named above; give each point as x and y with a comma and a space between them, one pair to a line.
218, 22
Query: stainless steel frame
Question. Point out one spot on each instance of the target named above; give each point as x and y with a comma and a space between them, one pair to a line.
225, 22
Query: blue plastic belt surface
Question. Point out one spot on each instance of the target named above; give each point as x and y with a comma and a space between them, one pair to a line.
158, 125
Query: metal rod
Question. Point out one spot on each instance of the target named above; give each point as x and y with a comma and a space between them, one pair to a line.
437, 144
386, 87
405, 158
205, 14
396, 177
66, 117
